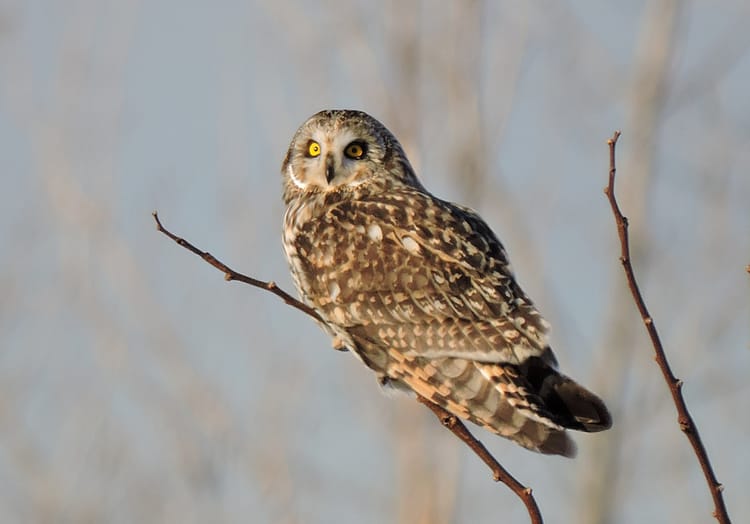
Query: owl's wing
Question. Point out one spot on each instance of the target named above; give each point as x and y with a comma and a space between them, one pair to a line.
423, 291
424, 276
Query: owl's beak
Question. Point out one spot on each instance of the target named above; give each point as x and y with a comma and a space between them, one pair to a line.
330, 172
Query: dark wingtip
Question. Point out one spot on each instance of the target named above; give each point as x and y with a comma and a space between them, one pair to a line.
574, 406
580, 408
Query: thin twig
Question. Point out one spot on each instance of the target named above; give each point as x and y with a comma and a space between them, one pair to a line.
685, 421
231, 274
499, 473
448, 420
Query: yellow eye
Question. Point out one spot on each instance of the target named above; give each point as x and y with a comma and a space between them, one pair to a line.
313, 148
355, 150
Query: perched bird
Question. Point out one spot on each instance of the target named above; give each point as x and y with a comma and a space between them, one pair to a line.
420, 289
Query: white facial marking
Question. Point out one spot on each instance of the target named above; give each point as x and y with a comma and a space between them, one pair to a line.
297, 182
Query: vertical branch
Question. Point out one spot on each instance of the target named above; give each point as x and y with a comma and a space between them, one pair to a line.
685, 421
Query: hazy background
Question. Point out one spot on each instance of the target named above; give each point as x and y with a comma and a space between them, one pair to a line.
137, 386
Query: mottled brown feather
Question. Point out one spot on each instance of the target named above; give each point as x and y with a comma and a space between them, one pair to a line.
421, 289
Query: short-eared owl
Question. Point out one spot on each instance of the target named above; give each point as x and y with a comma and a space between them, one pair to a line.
420, 289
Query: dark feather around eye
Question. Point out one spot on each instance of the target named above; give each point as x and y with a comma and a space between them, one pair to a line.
313, 149
356, 150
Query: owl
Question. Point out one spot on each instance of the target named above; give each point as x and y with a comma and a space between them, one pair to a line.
420, 289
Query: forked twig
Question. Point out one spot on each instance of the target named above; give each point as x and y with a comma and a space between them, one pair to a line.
448, 420
685, 421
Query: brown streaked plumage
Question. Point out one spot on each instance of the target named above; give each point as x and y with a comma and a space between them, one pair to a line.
420, 289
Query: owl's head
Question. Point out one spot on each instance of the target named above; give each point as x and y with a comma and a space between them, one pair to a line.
340, 150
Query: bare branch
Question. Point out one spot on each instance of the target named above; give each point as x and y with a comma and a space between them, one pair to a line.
231, 274
499, 473
685, 421
448, 420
